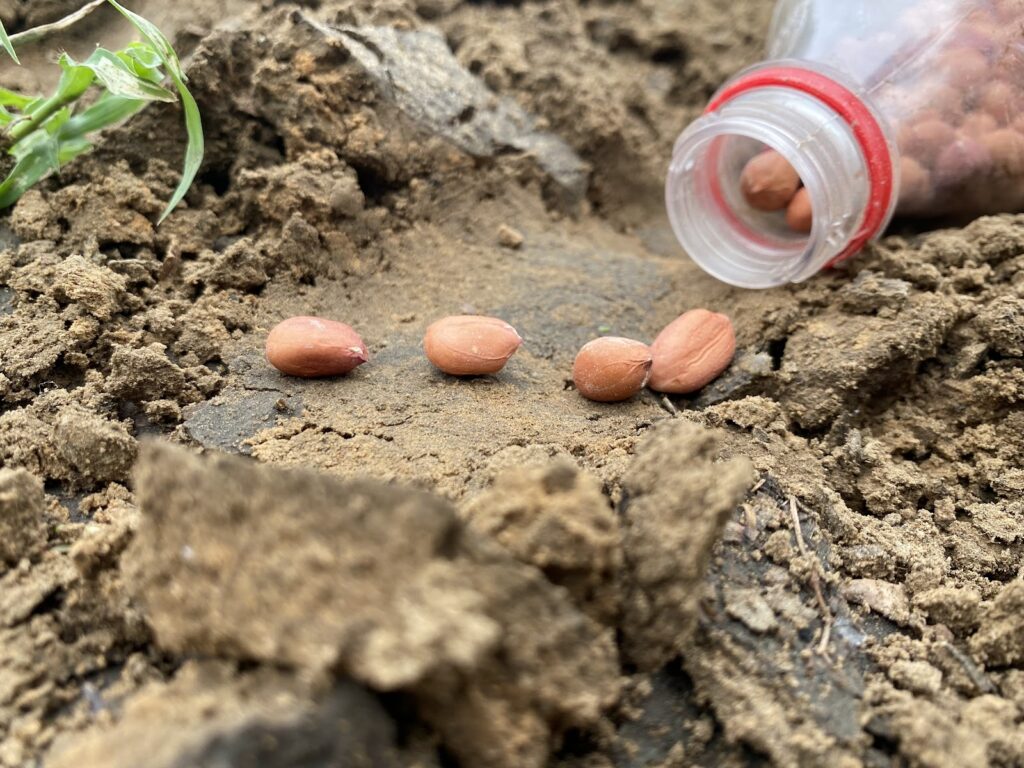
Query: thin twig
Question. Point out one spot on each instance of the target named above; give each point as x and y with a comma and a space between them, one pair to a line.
43, 30
826, 635
826, 612
796, 526
670, 406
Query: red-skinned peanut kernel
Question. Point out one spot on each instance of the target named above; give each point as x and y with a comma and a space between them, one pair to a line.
611, 369
470, 345
692, 352
312, 347
800, 214
769, 182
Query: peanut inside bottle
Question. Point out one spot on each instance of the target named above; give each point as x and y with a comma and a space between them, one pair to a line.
864, 110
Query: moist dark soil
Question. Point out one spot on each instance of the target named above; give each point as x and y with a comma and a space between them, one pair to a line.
817, 561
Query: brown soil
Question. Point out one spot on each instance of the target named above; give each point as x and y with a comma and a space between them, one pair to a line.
817, 561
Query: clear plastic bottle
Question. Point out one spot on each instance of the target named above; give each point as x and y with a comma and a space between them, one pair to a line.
908, 106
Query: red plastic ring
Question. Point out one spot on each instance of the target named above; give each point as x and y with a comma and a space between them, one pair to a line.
862, 122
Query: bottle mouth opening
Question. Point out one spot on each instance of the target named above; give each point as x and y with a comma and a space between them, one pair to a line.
723, 233
844, 154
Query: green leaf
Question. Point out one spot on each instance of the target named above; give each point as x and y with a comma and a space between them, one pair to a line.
30, 144
5, 41
106, 111
74, 81
14, 99
25, 174
57, 122
45, 157
61, 141
46, 132
119, 77
193, 152
146, 60
52, 148
33, 106
161, 45
193, 121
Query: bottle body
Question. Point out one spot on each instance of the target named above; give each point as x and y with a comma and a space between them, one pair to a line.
920, 111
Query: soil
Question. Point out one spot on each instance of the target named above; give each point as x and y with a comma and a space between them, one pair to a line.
818, 561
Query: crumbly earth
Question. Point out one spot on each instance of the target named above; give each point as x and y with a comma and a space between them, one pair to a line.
818, 561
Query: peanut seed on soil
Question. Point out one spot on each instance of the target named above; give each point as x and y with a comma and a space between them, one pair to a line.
313, 347
470, 345
691, 352
611, 369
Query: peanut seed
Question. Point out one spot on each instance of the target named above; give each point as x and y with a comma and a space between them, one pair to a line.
312, 347
800, 214
470, 345
611, 369
692, 352
769, 182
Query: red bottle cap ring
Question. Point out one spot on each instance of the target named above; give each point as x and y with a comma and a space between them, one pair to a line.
866, 129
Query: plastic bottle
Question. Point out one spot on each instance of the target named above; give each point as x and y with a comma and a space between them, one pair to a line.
908, 106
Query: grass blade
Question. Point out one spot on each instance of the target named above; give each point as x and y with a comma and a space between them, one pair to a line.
193, 122
193, 152
5, 41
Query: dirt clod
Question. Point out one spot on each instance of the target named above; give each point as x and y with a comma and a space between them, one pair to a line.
1000, 642
215, 717
98, 449
144, 374
557, 518
678, 499
381, 582
21, 508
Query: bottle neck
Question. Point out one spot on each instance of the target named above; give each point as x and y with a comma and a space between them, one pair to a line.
834, 141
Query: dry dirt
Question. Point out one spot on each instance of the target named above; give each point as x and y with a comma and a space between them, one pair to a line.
819, 561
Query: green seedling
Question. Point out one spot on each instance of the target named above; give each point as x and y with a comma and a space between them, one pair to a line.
44, 133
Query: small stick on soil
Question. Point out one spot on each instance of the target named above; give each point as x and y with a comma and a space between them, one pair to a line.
669, 406
38, 33
758, 487
980, 680
796, 526
826, 612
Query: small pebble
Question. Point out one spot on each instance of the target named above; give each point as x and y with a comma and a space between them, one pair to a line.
510, 238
